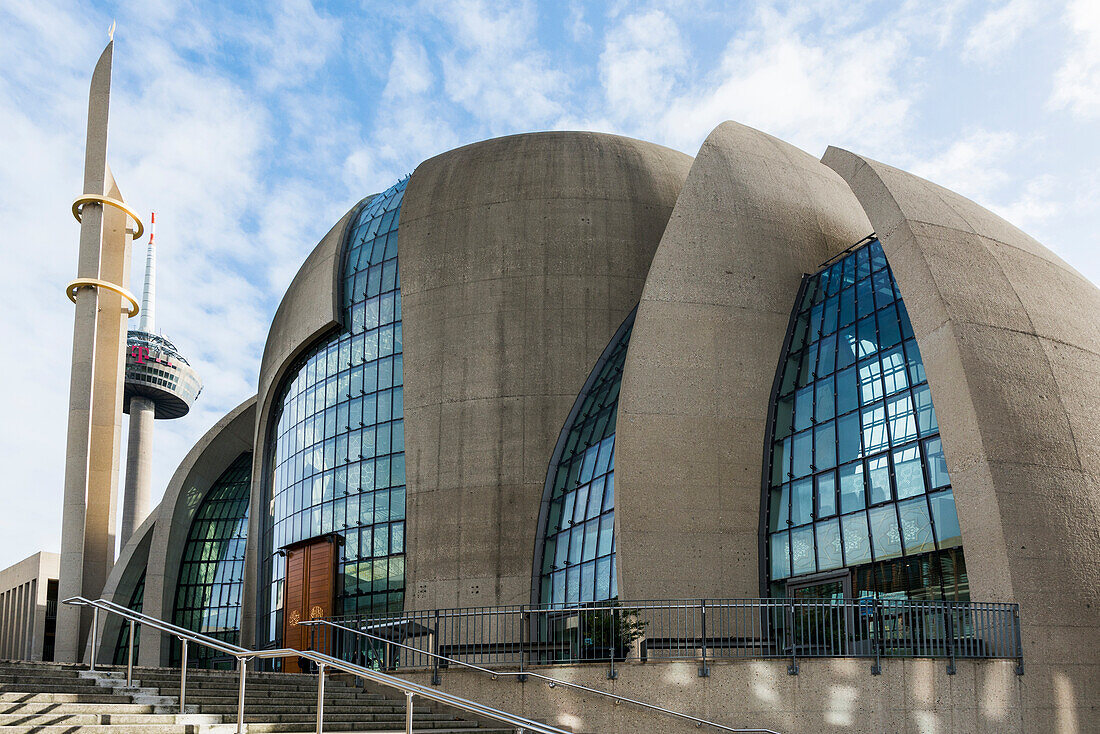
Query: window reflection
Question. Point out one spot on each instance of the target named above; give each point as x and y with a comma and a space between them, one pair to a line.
854, 396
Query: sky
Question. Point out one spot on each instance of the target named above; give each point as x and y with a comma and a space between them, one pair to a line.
251, 127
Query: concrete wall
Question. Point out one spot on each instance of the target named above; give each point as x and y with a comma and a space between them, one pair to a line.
310, 309
911, 696
754, 216
1010, 336
23, 589
519, 258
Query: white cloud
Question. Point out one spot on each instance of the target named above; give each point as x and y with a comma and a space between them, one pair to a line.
643, 61
410, 71
973, 165
295, 45
1077, 82
999, 30
812, 91
495, 69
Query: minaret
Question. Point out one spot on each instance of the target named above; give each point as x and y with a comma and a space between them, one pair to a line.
95, 388
159, 384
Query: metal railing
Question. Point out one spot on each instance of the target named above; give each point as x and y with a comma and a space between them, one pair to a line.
703, 630
321, 660
495, 674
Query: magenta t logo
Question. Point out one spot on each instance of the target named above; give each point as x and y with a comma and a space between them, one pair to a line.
139, 353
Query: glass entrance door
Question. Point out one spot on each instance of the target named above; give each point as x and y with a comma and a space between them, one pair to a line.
819, 620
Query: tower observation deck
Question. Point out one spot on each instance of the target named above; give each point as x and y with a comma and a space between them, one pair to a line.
159, 384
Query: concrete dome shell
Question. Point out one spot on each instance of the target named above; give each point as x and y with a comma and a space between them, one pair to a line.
519, 258
1010, 336
755, 214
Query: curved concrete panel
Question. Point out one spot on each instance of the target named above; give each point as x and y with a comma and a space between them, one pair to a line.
196, 474
519, 258
1010, 336
754, 216
121, 582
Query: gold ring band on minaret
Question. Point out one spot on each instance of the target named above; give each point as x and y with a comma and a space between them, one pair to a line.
79, 283
80, 201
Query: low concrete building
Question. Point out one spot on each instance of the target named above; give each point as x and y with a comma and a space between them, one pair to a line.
771, 441
28, 608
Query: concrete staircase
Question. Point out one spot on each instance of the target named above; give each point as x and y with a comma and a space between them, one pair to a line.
45, 698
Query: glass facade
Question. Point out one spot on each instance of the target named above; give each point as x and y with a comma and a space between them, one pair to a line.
578, 561
208, 595
337, 457
857, 475
137, 603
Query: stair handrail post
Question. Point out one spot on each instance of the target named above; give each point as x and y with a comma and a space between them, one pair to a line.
95, 637
242, 663
408, 712
320, 697
130, 657
183, 672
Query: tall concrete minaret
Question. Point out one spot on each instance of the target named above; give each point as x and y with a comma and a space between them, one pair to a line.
159, 384
95, 388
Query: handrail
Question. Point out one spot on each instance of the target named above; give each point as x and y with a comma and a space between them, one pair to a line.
552, 682
243, 655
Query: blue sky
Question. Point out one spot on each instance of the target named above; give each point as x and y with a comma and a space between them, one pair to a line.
252, 127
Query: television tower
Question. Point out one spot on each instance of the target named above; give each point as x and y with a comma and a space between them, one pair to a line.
159, 384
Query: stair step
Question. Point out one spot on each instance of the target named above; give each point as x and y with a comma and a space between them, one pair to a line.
35, 697
76, 708
85, 719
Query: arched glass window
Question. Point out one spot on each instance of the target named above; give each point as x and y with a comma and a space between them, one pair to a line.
578, 551
337, 459
208, 594
137, 603
858, 500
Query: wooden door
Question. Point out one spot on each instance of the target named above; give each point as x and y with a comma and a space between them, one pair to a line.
309, 590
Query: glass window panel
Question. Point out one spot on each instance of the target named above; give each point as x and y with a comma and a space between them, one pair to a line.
878, 478
889, 329
857, 544
781, 461
893, 371
946, 519
802, 454
870, 381
803, 408
779, 512
874, 428
847, 349
828, 321
926, 414
852, 495
868, 338
825, 485
828, 545
937, 464
916, 527
802, 501
779, 551
885, 536
903, 424
847, 390
824, 399
848, 432
847, 306
825, 446
908, 474
916, 366
802, 551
